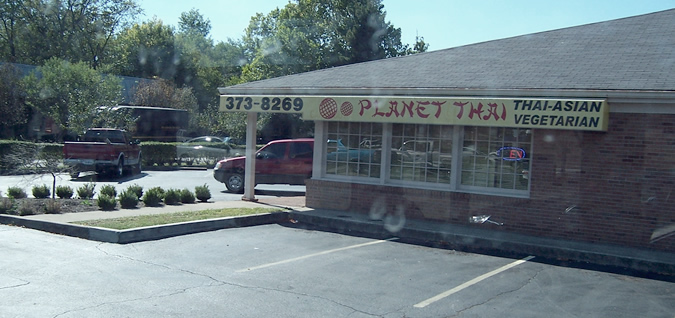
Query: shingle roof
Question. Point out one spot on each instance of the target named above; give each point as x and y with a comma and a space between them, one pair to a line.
634, 54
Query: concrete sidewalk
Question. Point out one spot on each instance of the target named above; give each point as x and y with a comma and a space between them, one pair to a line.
471, 238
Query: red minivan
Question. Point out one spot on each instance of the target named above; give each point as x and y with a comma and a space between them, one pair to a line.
287, 161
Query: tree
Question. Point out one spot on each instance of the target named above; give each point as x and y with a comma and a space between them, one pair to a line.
192, 22
314, 34
12, 99
205, 66
163, 93
73, 30
71, 94
11, 22
147, 50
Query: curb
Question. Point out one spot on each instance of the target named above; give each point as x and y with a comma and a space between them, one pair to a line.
468, 239
144, 233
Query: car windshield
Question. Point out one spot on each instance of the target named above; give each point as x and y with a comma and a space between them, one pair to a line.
333, 158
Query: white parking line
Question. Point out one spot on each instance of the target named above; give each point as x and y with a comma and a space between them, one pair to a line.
315, 254
471, 282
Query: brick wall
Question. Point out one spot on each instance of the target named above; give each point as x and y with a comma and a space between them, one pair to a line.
613, 187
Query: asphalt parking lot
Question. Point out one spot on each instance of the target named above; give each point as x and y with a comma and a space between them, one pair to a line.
281, 271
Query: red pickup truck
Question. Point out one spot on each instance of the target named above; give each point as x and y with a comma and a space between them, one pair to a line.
103, 150
287, 161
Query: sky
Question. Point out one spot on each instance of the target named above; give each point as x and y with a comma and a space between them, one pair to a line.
442, 23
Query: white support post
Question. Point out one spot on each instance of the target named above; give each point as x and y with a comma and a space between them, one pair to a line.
249, 175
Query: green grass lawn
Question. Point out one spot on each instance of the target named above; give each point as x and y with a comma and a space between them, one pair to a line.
169, 218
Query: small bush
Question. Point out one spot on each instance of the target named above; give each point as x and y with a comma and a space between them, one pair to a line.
172, 196
41, 192
153, 197
109, 190
128, 199
136, 189
86, 191
25, 209
203, 193
6, 205
52, 207
186, 196
64, 192
106, 202
16, 193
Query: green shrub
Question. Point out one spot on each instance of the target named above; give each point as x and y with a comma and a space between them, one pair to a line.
128, 199
64, 192
86, 191
6, 205
172, 196
159, 153
52, 207
106, 202
109, 190
136, 189
16, 193
153, 197
25, 208
203, 193
186, 196
41, 192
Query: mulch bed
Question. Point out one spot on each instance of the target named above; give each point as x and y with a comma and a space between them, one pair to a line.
39, 206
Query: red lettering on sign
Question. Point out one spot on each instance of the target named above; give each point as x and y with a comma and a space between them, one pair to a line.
420, 109
476, 110
393, 109
365, 105
461, 109
438, 108
409, 108
492, 112
481, 112
515, 154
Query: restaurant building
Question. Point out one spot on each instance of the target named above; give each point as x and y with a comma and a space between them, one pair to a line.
564, 134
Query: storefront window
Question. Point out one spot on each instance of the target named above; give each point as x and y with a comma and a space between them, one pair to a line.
491, 159
496, 157
354, 149
421, 153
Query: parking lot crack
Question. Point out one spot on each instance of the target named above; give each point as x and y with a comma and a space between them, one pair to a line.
20, 283
523, 285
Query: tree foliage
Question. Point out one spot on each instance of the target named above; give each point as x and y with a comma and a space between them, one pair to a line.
33, 31
314, 34
12, 98
147, 50
71, 93
192, 22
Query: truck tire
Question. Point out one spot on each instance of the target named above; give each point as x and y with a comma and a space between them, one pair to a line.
118, 171
137, 167
235, 182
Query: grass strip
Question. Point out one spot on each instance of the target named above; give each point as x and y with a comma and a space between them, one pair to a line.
131, 222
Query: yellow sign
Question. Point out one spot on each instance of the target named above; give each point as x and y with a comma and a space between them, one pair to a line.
570, 114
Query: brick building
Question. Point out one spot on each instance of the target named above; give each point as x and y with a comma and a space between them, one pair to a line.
563, 134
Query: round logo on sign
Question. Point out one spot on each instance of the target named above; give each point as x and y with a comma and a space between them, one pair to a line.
328, 108
346, 109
